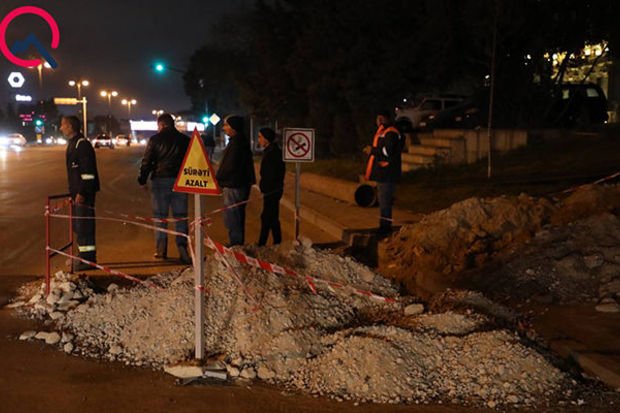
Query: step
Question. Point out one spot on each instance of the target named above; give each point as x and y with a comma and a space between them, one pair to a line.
417, 159
428, 150
408, 167
440, 142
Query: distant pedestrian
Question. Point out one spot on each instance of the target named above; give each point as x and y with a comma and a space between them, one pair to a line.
271, 184
209, 142
83, 185
162, 160
236, 176
384, 167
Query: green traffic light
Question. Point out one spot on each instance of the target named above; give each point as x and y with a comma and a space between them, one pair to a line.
38, 122
205, 120
159, 67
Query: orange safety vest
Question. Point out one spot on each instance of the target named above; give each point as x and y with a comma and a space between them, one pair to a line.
381, 132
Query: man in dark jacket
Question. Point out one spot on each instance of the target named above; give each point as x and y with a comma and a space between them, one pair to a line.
83, 185
272, 172
162, 160
384, 167
236, 176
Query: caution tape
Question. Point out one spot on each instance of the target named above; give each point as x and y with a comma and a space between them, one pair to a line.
103, 268
598, 181
310, 281
139, 224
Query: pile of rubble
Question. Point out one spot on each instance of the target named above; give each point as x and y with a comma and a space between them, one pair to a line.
276, 329
516, 248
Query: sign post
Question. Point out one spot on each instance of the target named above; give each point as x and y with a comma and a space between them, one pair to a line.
196, 177
74, 101
298, 148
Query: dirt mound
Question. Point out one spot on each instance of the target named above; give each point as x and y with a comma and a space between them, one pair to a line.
431, 254
278, 330
449, 247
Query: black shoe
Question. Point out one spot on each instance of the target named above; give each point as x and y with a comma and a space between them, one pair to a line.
80, 266
184, 256
160, 256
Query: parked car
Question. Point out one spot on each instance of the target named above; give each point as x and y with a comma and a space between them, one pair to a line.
429, 106
578, 105
12, 139
122, 140
103, 140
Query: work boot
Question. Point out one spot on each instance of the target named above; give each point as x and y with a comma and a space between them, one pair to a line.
79, 266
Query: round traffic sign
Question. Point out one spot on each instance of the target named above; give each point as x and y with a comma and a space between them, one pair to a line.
298, 145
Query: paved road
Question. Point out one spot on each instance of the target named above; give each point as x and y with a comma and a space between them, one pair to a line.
26, 179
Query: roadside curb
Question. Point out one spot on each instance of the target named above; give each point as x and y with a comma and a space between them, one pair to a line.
311, 216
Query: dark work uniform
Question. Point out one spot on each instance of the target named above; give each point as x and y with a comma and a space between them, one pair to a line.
83, 180
272, 172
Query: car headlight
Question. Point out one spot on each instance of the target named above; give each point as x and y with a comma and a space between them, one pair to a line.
4, 141
61, 141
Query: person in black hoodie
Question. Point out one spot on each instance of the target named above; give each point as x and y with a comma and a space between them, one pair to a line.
236, 176
162, 160
272, 172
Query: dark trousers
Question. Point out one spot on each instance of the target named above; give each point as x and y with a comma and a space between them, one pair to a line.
385, 194
270, 219
163, 199
234, 218
84, 227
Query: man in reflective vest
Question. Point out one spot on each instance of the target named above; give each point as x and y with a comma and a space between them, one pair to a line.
83, 185
384, 167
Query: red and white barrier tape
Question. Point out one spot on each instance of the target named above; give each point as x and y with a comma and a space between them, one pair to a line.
599, 181
276, 269
103, 268
167, 231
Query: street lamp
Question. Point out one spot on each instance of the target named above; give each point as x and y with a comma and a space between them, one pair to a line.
39, 68
109, 95
157, 112
79, 85
129, 104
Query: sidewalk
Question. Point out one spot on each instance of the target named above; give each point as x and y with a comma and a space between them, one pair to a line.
338, 218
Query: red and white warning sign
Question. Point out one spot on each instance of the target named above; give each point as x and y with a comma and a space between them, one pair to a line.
298, 145
196, 174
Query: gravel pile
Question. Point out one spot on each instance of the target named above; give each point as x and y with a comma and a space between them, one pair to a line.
275, 329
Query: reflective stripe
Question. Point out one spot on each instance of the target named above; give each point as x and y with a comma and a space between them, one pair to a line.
384, 152
87, 177
78, 142
87, 248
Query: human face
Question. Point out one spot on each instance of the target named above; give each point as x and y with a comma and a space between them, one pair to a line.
381, 120
228, 130
262, 141
66, 129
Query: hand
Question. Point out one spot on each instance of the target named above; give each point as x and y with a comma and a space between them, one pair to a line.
367, 149
80, 199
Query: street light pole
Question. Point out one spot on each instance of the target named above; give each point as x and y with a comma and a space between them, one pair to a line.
129, 103
109, 95
79, 85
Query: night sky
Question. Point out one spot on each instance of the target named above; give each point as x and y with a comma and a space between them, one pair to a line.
113, 44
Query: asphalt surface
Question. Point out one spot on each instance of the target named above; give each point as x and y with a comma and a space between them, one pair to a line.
27, 178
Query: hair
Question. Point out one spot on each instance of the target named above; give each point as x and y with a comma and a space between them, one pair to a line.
385, 113
166, 120
74, 122
268, 134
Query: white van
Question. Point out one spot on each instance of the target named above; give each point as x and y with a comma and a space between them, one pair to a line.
428, 108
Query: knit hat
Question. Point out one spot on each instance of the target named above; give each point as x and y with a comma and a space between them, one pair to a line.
268, 134
235, 122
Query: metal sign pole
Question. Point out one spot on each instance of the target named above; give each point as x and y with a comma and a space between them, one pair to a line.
199, 278
85, 117
297, 198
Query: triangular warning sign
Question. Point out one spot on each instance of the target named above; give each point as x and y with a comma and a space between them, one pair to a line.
196, 174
